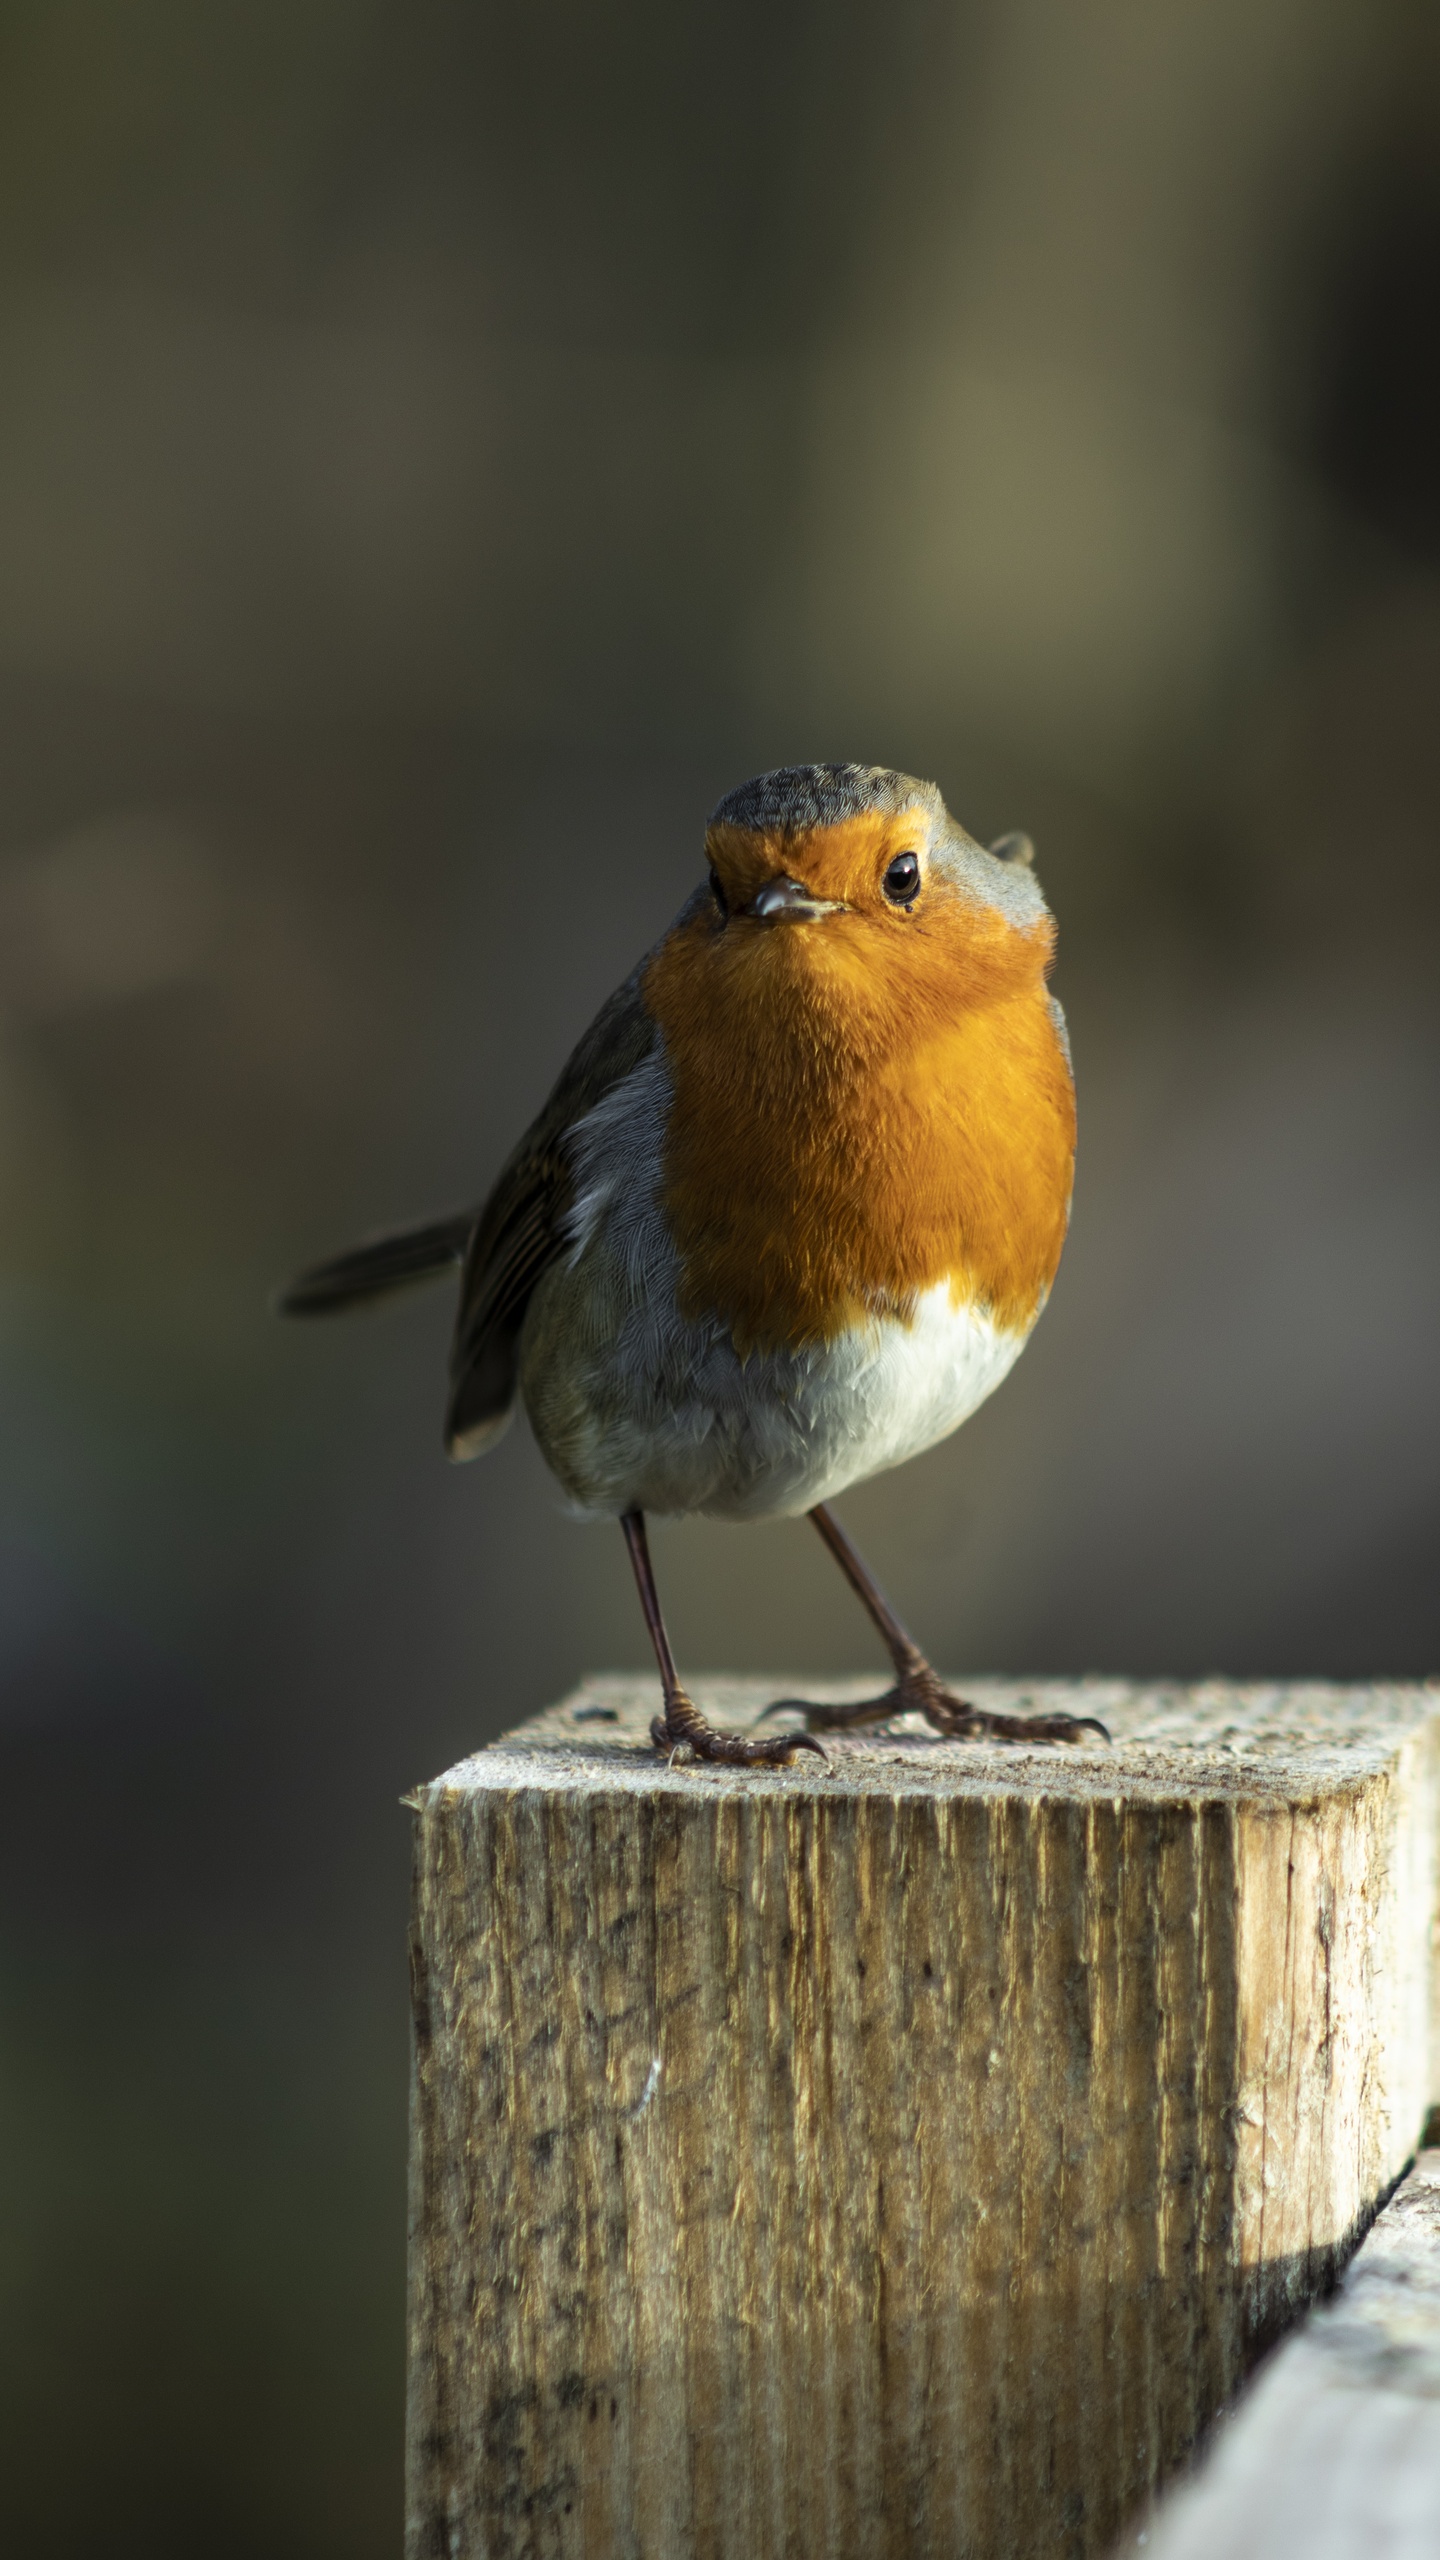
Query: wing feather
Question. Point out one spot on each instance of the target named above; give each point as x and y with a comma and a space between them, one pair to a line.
521, 1229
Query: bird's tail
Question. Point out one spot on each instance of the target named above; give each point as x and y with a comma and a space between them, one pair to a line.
372, 1270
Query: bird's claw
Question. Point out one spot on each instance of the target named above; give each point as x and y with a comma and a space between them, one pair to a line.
954, 1719
976, 1724
731, 1750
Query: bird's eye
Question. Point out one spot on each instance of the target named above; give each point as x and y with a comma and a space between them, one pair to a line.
716, 892
902, 880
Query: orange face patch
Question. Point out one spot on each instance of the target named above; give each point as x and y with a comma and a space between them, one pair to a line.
847, 861
866, 1103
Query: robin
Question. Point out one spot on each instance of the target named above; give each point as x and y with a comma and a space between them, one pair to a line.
792, 1209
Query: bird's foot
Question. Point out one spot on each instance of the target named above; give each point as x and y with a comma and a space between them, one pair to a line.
920, 1687
683, 1726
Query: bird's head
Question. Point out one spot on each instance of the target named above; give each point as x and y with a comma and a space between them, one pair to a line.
817, 840
853, 884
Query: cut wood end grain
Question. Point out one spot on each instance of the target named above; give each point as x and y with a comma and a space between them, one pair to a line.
1210, 1738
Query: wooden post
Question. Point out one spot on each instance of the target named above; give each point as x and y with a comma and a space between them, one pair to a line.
907, 2158
1335, 2450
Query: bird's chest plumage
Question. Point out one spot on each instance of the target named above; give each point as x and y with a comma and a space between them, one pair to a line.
639, 1401
785, 1275
847, 1132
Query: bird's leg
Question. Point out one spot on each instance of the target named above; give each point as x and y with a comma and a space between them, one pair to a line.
682, 1721
916, 1684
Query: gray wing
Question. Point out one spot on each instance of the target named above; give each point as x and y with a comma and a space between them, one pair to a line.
521, 1229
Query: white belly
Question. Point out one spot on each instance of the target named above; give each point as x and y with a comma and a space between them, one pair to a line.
636, 1407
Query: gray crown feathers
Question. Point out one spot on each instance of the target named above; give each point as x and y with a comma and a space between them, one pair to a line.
797, 796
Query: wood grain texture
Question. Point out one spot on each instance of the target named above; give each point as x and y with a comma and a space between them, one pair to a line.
1334, 2450
904, 2158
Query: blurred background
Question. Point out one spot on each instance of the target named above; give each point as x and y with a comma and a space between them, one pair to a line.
441, 449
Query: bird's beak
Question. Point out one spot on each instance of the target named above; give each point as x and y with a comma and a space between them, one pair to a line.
787, 897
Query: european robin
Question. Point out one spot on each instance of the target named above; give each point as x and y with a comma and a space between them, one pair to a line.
792, 1209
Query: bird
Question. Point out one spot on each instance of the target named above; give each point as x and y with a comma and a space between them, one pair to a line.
790, 1212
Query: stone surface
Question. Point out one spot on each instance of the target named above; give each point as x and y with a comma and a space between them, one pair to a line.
907, 2156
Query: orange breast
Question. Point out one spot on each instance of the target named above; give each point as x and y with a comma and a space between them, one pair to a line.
860, 1113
